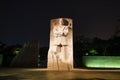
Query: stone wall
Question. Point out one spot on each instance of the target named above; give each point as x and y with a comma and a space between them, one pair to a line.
28, 56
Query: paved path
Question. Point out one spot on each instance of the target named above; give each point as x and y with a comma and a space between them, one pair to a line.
43, 74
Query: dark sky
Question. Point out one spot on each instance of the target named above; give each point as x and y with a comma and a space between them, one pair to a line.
24, 20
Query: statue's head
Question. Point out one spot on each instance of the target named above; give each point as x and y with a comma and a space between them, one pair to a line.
63, 22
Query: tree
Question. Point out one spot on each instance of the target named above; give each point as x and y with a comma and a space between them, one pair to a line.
10, 53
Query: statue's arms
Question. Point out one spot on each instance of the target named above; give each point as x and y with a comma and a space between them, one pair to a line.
65, 31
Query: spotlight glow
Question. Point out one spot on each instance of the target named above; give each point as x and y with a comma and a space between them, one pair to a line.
101, 61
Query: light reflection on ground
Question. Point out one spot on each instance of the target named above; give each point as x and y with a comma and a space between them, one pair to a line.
43, 74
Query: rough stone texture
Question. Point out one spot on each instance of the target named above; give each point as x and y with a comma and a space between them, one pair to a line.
60, 54
28, 57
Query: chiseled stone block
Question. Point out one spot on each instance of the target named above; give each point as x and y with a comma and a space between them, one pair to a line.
60, 54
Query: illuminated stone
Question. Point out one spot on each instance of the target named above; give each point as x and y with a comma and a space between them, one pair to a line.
60, 54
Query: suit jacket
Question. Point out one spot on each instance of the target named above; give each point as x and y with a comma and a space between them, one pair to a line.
60, 35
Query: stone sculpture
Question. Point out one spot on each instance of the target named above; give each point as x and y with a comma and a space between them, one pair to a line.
60, 54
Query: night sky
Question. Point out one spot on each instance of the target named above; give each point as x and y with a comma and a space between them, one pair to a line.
25, 20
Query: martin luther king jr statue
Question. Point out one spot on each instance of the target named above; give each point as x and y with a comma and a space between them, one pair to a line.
60, 54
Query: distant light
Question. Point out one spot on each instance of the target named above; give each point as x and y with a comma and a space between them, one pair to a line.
93, 51
16, 50
86, 54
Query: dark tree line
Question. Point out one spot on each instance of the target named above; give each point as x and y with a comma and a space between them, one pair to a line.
110, 47
95, 47
9, 52
82, 47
